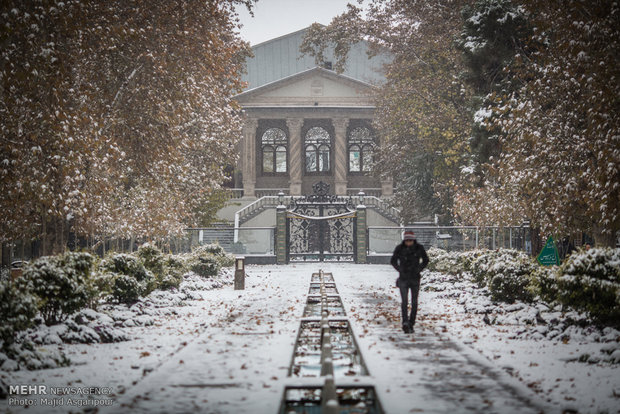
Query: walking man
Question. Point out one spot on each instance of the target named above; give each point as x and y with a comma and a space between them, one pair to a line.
409, 259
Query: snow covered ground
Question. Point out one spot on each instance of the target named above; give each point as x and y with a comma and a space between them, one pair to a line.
227, 351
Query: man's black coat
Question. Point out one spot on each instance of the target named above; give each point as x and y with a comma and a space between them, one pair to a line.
409, 261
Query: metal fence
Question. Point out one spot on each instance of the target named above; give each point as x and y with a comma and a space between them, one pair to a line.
382, 240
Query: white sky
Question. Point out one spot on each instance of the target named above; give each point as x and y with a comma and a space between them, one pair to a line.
274, 18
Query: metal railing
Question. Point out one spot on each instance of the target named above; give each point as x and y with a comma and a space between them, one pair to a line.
375, 192
383, 239
377, 203
248, 240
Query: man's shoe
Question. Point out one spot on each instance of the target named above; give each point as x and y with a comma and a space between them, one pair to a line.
406, 328
411, 330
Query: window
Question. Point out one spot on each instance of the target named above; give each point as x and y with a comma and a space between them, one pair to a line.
273, 150
317, 146
361, 146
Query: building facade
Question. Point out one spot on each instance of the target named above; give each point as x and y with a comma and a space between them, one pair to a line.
306, 124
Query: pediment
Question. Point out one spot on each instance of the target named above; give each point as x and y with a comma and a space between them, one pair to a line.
314, 87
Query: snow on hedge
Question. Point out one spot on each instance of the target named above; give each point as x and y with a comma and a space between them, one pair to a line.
121, 291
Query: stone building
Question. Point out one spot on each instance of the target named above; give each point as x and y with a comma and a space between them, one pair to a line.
306, 127
305, 124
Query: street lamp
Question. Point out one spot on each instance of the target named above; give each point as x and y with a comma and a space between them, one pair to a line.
281, 198
361, 195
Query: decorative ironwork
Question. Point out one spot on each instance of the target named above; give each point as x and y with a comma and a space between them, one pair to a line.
321, 227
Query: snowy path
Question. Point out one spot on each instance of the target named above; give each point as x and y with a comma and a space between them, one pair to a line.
237, 365
426, 371
230, 353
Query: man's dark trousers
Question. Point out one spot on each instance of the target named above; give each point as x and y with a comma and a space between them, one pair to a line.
405, 287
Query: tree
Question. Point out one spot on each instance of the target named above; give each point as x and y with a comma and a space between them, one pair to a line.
560, 130
422, 113
117, 116
493, 32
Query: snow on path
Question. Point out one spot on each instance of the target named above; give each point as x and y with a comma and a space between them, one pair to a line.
425, 371
240, 363
230, 353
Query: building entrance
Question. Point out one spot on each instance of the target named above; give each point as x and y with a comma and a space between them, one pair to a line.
321, 227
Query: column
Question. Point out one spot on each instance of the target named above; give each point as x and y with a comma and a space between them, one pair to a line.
281, 234
361, 245
340, 156
249, 156
295, 153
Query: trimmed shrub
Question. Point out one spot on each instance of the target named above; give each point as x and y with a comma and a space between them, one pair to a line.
509, 286
205, 265
204, 260
508, 275
224, 259
100, 286
590, 281
129, 265
152, 258
480, 268
17, 310
544, 283
174, 269
60, 283
466, 259
126, 289
440, 260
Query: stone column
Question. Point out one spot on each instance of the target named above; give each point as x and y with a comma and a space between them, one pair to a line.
361, 245
340, 156
295, 161
281, 234
249, 156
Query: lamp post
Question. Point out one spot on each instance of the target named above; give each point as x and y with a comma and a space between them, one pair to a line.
281, 198
360, 196
239, 273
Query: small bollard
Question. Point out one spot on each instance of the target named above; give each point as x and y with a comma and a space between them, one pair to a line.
16, 270
239, 273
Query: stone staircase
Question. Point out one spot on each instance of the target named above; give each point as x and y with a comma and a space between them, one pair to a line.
269, 202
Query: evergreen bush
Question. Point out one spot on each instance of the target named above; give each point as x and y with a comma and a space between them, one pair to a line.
174, 269
509, 287
590, 281
126, 289
204, 260
508, 275
224, 259
152, 258
60, 282
18, 308
544, 283
480, 267
129, 265
440, 260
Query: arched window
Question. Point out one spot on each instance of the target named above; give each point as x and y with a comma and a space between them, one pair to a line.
273, 149
317, 147
361, 147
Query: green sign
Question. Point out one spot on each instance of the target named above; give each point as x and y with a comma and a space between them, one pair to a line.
549, 256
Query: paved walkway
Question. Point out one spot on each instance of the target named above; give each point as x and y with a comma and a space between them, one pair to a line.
240, 366
425, 371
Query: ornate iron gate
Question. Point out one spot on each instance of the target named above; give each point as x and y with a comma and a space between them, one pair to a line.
321, 227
